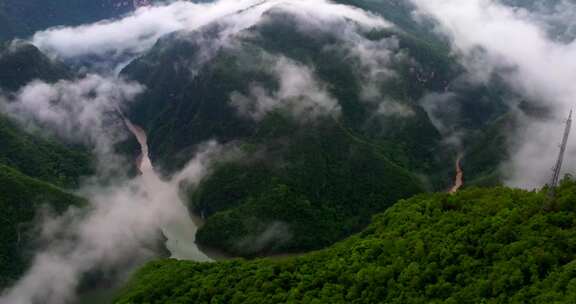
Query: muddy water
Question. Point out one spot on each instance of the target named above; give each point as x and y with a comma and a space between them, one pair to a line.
143, 162
459, 177
177, 226
179, 229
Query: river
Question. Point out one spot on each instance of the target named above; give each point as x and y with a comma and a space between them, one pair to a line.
179, 229
459, 177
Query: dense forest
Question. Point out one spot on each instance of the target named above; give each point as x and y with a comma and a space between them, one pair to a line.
37, 171
494, 245
329, 187
41, 157
340, 169
312, 149
22, 197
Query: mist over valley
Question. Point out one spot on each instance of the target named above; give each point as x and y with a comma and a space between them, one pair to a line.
287, 151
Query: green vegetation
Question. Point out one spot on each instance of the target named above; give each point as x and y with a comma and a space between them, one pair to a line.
305, 185
21, 63
309, 183
41, 157
479, 246
411, 137
400, 13
33, 154
180, 111
325, 186
20, 199
486, 151
33, 168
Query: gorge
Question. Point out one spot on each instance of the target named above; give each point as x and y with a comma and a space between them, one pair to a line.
338, 151
180, 230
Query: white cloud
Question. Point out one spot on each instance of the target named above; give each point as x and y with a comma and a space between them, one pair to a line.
79, 110
115, 232
441, 107
139, 31
299, 92
513, 44
123, 218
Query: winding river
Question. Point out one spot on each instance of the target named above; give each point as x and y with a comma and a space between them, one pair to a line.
179, 229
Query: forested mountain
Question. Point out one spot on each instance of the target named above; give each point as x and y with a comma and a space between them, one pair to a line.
339, 170
34, 168
21, 63
36, 155
325, 131
22, 197
42, 158
481, 245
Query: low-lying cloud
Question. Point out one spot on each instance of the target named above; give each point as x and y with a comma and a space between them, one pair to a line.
300, 93
121, 220
118, 230
493, 39
138, 32
83, 111
120, 226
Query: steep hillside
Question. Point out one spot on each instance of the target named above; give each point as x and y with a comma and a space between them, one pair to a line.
21, 63
33, 167
332, 160
486, 149
42, 158
34, 154
325, 186
398, 12
189, 99
478, 246
20, 199
342, 158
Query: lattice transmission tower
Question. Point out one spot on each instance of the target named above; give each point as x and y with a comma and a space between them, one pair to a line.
558, 166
